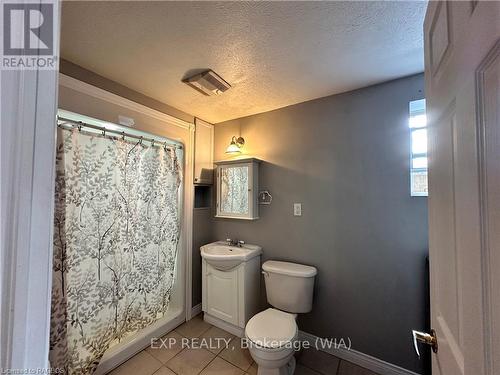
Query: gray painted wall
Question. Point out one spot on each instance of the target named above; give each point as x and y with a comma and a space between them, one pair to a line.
202, 234
346, 159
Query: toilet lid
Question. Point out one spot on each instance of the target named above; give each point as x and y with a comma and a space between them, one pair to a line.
271, 328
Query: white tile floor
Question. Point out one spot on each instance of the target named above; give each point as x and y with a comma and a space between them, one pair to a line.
230, 360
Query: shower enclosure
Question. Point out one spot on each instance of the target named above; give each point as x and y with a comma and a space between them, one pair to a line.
117, 280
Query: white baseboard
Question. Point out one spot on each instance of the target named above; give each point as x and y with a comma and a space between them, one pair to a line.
196, 310
358, 358
228, 327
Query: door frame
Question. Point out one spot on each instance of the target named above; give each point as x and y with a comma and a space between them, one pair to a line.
27, 189
489, 193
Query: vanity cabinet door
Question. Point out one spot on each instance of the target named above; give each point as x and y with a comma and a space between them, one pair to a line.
222, 294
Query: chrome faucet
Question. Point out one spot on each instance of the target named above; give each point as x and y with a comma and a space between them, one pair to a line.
231, 242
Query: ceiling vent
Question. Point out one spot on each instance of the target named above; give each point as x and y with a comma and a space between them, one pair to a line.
208, 83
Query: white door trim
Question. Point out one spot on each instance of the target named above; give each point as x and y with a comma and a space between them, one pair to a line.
28, 135
188, 222
489, 176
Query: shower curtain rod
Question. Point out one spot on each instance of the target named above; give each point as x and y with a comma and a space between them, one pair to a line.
123, 134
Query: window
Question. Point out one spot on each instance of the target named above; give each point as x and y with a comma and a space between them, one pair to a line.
418, 155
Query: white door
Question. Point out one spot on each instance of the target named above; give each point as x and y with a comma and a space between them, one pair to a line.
462, 73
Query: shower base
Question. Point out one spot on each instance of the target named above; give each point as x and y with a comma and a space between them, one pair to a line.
132, 345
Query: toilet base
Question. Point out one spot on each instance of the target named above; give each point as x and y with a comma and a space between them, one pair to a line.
287, 369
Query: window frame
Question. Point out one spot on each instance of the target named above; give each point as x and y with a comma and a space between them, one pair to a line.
420, 110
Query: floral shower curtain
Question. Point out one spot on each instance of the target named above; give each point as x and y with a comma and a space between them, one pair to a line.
116, 237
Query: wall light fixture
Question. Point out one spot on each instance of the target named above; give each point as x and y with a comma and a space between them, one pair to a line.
235, 145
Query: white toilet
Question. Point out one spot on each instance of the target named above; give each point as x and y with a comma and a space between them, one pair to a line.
271, 333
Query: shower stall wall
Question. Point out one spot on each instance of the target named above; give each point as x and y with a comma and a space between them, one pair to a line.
117, 231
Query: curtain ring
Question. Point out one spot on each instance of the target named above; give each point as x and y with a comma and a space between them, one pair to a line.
79, 128
152, 142
103, 132
123, 136
140, 141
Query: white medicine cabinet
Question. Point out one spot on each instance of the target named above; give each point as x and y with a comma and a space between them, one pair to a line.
237, 189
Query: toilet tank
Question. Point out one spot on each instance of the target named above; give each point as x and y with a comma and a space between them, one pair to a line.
289, 286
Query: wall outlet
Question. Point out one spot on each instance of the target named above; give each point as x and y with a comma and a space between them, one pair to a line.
297, 209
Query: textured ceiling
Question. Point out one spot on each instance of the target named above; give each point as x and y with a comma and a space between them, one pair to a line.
274, 54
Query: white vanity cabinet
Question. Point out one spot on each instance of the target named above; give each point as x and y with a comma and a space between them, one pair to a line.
231, 297
237, 189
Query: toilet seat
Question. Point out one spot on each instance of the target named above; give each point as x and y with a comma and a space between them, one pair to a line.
272, 329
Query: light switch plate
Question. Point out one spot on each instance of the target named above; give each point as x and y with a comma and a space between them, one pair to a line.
297, 209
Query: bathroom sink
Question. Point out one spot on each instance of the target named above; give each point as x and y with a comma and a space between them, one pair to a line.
224, 257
